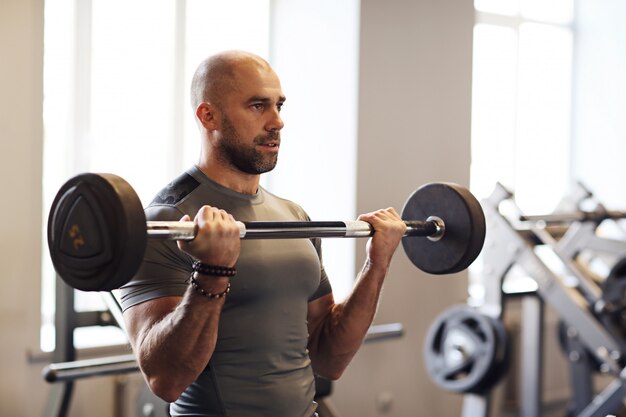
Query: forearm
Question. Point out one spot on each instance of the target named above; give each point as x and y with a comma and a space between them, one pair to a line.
173, 351
340, 334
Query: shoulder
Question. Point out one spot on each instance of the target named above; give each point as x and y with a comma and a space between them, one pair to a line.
177, 198
176, 191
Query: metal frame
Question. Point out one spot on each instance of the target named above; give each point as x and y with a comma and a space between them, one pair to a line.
509, 245
66, 321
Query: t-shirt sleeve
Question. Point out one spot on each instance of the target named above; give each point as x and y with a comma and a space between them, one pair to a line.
164, 269
324, 287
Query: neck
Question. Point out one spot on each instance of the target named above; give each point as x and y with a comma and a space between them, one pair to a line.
229, 176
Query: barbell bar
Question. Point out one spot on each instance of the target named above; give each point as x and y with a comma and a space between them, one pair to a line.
432, 228
97, 230
575, 216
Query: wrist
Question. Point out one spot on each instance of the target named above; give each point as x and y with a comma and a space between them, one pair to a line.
210, 287
210, 281
213, 270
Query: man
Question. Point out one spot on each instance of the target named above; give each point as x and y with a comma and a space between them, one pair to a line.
218, 344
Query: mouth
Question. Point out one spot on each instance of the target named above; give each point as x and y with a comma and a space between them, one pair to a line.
274, 145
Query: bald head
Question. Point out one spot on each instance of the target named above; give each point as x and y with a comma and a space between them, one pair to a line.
217, 75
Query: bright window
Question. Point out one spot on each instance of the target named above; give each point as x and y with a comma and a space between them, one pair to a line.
521, 107
116, 76
521, 104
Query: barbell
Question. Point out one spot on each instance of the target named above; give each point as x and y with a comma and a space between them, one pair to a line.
596, 216
97, 230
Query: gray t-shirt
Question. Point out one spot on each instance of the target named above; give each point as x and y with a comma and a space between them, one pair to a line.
260, 366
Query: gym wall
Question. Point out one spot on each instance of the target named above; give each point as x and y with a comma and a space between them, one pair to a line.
21, 46
415, 78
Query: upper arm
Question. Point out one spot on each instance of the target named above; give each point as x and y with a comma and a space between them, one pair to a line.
141, 317
318, 311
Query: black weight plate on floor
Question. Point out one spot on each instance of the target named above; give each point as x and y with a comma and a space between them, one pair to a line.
501, 361
460, 350
464, 228
96, 232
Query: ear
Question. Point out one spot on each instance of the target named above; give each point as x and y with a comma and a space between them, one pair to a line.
205, 113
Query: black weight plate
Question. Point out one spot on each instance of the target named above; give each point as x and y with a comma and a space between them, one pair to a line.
501, 361
96, 232
460, 349
464, 228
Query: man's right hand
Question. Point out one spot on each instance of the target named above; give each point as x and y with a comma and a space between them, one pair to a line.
217, 240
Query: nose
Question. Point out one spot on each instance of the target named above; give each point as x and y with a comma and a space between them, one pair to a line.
275, 122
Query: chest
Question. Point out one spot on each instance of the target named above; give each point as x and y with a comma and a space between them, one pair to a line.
275, 270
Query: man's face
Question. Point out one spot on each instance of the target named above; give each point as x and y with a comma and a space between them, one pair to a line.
247, 156
251, 123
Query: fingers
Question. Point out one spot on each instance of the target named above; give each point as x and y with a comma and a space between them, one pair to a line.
389, 228
217, 239
388, 213
384, 219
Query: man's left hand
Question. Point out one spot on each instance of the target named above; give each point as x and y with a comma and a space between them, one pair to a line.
389, 229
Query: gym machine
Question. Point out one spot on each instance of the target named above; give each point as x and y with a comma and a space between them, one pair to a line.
467, 350
585, 242
67, 319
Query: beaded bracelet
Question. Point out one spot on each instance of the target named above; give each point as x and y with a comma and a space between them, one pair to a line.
219, 271
201, 290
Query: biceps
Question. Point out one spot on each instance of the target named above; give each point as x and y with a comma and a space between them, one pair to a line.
319, 312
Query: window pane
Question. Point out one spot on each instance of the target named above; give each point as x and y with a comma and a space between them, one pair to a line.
493, 107
542, 160
504, 7
131, 98
555, 11
114, 95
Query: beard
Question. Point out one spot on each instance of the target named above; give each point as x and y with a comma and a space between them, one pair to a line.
242, 156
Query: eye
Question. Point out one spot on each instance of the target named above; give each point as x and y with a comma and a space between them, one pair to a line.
279, 106
258, 106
